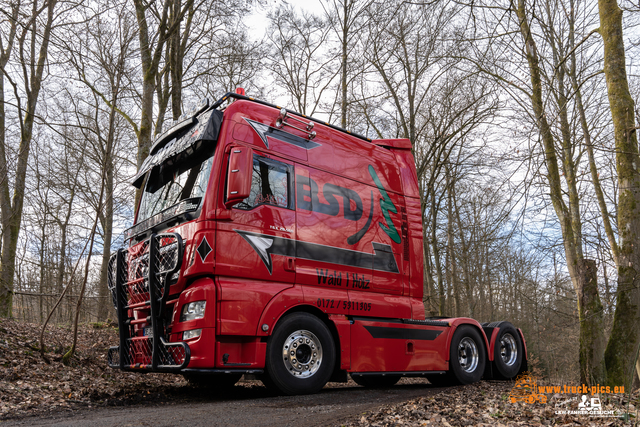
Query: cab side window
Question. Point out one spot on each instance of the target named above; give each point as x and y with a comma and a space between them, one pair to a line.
270, 184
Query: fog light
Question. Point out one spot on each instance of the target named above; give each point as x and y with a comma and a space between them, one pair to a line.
194, 333
193, 310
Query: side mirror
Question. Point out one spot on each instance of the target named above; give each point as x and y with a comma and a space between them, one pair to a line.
239, 175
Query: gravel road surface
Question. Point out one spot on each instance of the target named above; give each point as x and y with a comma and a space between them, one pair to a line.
247, 404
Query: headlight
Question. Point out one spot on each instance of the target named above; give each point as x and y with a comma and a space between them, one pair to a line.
193, 310
194, 333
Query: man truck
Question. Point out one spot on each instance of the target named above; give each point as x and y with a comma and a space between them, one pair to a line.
273, 244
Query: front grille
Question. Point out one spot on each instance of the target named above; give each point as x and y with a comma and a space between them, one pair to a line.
137, 267
139, 278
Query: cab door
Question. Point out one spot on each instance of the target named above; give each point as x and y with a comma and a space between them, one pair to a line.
255, 247
258, 241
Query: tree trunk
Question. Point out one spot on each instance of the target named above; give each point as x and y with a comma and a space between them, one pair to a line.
12, 209
622, 348
63, 243
74, 321
175, 61
455, 284
429, 291
592, 342
487, 260
43, 240
436, 252
343, 78
150, 60
568, 217
6, 290
464, 260
104, 302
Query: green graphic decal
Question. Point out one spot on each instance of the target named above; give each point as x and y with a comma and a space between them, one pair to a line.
386, 205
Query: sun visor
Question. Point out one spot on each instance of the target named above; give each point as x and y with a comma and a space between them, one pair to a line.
181, 141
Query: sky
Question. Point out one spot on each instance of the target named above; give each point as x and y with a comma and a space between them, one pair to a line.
257, 20
258, 23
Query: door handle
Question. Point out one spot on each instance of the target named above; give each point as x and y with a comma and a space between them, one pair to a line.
290, 264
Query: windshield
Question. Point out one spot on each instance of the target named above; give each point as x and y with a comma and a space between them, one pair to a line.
168, 185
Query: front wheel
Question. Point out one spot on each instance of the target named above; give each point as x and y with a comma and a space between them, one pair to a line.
300, 355
467, 356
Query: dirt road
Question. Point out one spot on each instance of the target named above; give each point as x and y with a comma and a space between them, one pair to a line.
247, 404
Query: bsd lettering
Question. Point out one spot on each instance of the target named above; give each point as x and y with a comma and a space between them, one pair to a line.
307, 199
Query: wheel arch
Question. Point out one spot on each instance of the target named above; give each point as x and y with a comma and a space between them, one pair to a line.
465, 321
314, 311
492, 329
525, 359
306, 308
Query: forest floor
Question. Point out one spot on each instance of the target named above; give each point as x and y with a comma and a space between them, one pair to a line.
487, 404
31, 386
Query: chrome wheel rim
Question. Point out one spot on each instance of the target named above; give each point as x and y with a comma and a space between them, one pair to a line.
508, 349
468, 354
302, 354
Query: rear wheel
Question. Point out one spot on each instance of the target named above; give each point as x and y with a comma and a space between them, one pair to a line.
467, 356
507, 352
300, 355
376, 380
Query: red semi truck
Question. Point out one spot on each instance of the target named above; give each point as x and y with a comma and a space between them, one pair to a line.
271, 243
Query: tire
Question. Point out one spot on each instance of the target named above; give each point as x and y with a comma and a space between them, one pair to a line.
467, 356
376, 381
300, 355
213, 382
507, 352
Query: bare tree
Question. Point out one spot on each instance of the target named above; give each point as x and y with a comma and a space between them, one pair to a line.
233, 60
426, 97
31, 43
582, 271
347, 18
101, 59
302, 63
622, 348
